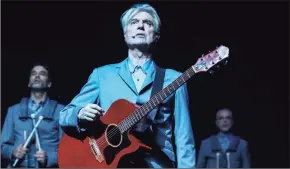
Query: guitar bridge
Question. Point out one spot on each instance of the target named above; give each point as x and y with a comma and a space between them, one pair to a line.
96, 151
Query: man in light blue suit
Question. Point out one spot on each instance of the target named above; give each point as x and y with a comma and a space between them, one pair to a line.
132, 79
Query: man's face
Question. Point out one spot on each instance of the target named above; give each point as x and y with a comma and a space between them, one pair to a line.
224, 120
140, 29
39, 78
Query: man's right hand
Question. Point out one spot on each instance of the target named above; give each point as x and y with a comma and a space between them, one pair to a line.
90, 112
20, 151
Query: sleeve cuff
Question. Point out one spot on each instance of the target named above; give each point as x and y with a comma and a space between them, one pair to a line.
81, 125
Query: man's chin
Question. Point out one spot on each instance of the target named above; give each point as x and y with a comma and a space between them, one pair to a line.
225, 130
138, 42
37, 88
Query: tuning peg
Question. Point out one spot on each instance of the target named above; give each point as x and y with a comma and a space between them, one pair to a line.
211, 72
212, 62
220, 58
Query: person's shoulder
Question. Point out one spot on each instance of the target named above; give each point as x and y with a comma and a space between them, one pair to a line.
208, 139
243, 141
105, 68
172, 72
17, 105
60, 105
14, 106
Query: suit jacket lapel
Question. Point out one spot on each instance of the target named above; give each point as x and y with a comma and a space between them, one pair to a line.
233, 144
125, 74
24, 108
216, 147
48, 109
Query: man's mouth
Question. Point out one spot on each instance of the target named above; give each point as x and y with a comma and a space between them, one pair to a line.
140, 35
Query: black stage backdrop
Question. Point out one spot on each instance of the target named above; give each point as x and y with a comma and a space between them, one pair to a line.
75, 37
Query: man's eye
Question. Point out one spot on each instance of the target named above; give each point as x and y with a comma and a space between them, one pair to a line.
149, 23
133, 22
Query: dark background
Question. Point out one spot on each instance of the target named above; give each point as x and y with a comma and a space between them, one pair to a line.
75, 37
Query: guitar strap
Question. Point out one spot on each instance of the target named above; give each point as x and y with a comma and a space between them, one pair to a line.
157, 86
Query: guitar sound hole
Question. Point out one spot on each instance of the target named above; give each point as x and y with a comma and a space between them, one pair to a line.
113, 135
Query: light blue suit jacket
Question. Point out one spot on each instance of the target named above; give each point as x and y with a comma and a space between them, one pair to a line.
109, 83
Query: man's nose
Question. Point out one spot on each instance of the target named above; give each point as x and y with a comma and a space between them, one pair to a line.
140, 26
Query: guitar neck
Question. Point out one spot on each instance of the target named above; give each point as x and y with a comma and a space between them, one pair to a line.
155, 100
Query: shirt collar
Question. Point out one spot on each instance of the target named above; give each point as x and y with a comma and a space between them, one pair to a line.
145, 67
41, 103
222, 135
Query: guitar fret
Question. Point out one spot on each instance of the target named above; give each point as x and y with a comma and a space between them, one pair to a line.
154, 101
130, 120
150, 105
177, 82
125, 124
143, 110
134, 118
163, 91
168, 90
127, 121
182, 78
159, 96
139, 115
187, 74
173, 87
122, 128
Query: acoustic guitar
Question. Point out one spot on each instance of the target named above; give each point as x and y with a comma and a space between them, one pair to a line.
116, 138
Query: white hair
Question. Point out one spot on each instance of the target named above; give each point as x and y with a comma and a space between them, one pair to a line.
128, 15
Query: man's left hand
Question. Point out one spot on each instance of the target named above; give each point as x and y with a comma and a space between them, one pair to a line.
41, 157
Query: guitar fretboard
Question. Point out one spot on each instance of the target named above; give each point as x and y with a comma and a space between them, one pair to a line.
131, 120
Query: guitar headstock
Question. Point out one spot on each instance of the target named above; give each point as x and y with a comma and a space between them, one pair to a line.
213, 58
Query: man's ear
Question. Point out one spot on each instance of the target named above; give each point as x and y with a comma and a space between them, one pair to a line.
156, 37
125, 35
49, 84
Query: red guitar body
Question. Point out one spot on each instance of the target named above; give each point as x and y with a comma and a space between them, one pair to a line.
74, 153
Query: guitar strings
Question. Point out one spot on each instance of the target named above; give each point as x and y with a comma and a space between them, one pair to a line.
102, 141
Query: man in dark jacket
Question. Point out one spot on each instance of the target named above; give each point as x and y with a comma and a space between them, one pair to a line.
224, 150
20, 119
